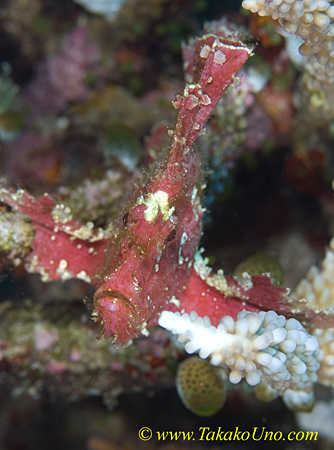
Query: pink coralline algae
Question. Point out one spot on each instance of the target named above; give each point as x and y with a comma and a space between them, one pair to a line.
149, 262
56, 367
48, 93
44, 338
33, 158
258, 128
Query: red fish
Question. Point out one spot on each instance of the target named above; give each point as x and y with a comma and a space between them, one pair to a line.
150, 257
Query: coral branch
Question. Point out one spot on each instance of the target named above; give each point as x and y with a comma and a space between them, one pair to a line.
62, 247
216, 295
262, 347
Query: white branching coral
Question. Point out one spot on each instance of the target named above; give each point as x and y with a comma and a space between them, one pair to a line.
309, 19
326, 355
318, 286
318, 290
313, 22
260, 347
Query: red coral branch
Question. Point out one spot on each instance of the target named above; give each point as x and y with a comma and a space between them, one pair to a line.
261, 295
62, 249
206, 300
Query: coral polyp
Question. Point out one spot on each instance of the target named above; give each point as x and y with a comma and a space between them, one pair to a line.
200, 386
